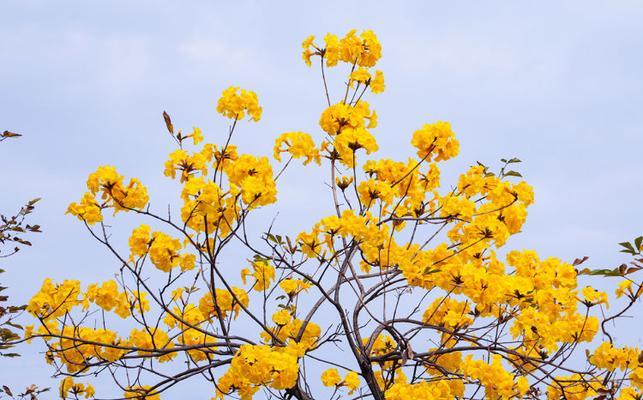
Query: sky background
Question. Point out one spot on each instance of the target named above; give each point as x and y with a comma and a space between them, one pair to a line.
557, 84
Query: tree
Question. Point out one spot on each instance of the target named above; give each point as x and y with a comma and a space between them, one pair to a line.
400, 293
12, 231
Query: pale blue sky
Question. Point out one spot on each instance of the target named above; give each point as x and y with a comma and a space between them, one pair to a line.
557, 84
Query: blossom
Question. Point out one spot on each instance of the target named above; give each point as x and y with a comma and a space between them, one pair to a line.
435, 141
330, 377
235, 103
298, 144
377, 83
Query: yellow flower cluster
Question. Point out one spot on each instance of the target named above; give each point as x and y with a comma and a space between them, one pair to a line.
498, 382
55, 300
361, 228
448, 312
364, 77
409, 185
255, 366
190, 323
575, 387
342, 116
70, 388
235, 103
331, 378
253, 177
298, 144
363, 50
109, 298
187, 164
206, 205
466, 291
608, 357
77, 347
624, 288
289, 331
436, 142
438, 390
346, 121
293, 287
225, 302
113, 194
594, 297
348, 126
162, 249
263, 273
152, 341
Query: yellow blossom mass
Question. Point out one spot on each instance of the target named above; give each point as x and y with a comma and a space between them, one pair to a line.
402, 287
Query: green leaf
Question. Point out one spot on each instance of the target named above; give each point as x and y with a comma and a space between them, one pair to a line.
258, 257
602, 272
513, 173
621, 270
637, 242
514, 160
628, 248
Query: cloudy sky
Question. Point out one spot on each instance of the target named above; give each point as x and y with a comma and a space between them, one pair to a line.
557, 84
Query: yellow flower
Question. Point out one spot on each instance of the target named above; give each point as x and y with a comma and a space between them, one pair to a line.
363, 50
343, 181
263, 273
226, 302
350, 140
351, 381
332, 49
109, 184
87, 210
307, 44
256, 365
340, 116
360, 75
331, 377
197, 135
293, 287
281, 317
624, 288
164, 251
371, 190
152, 342
435, 141
298, 144
235, 103
69, 388
594, 297
377, 83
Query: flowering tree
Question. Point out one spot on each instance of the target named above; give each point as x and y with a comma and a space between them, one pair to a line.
421, 305
12, 230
